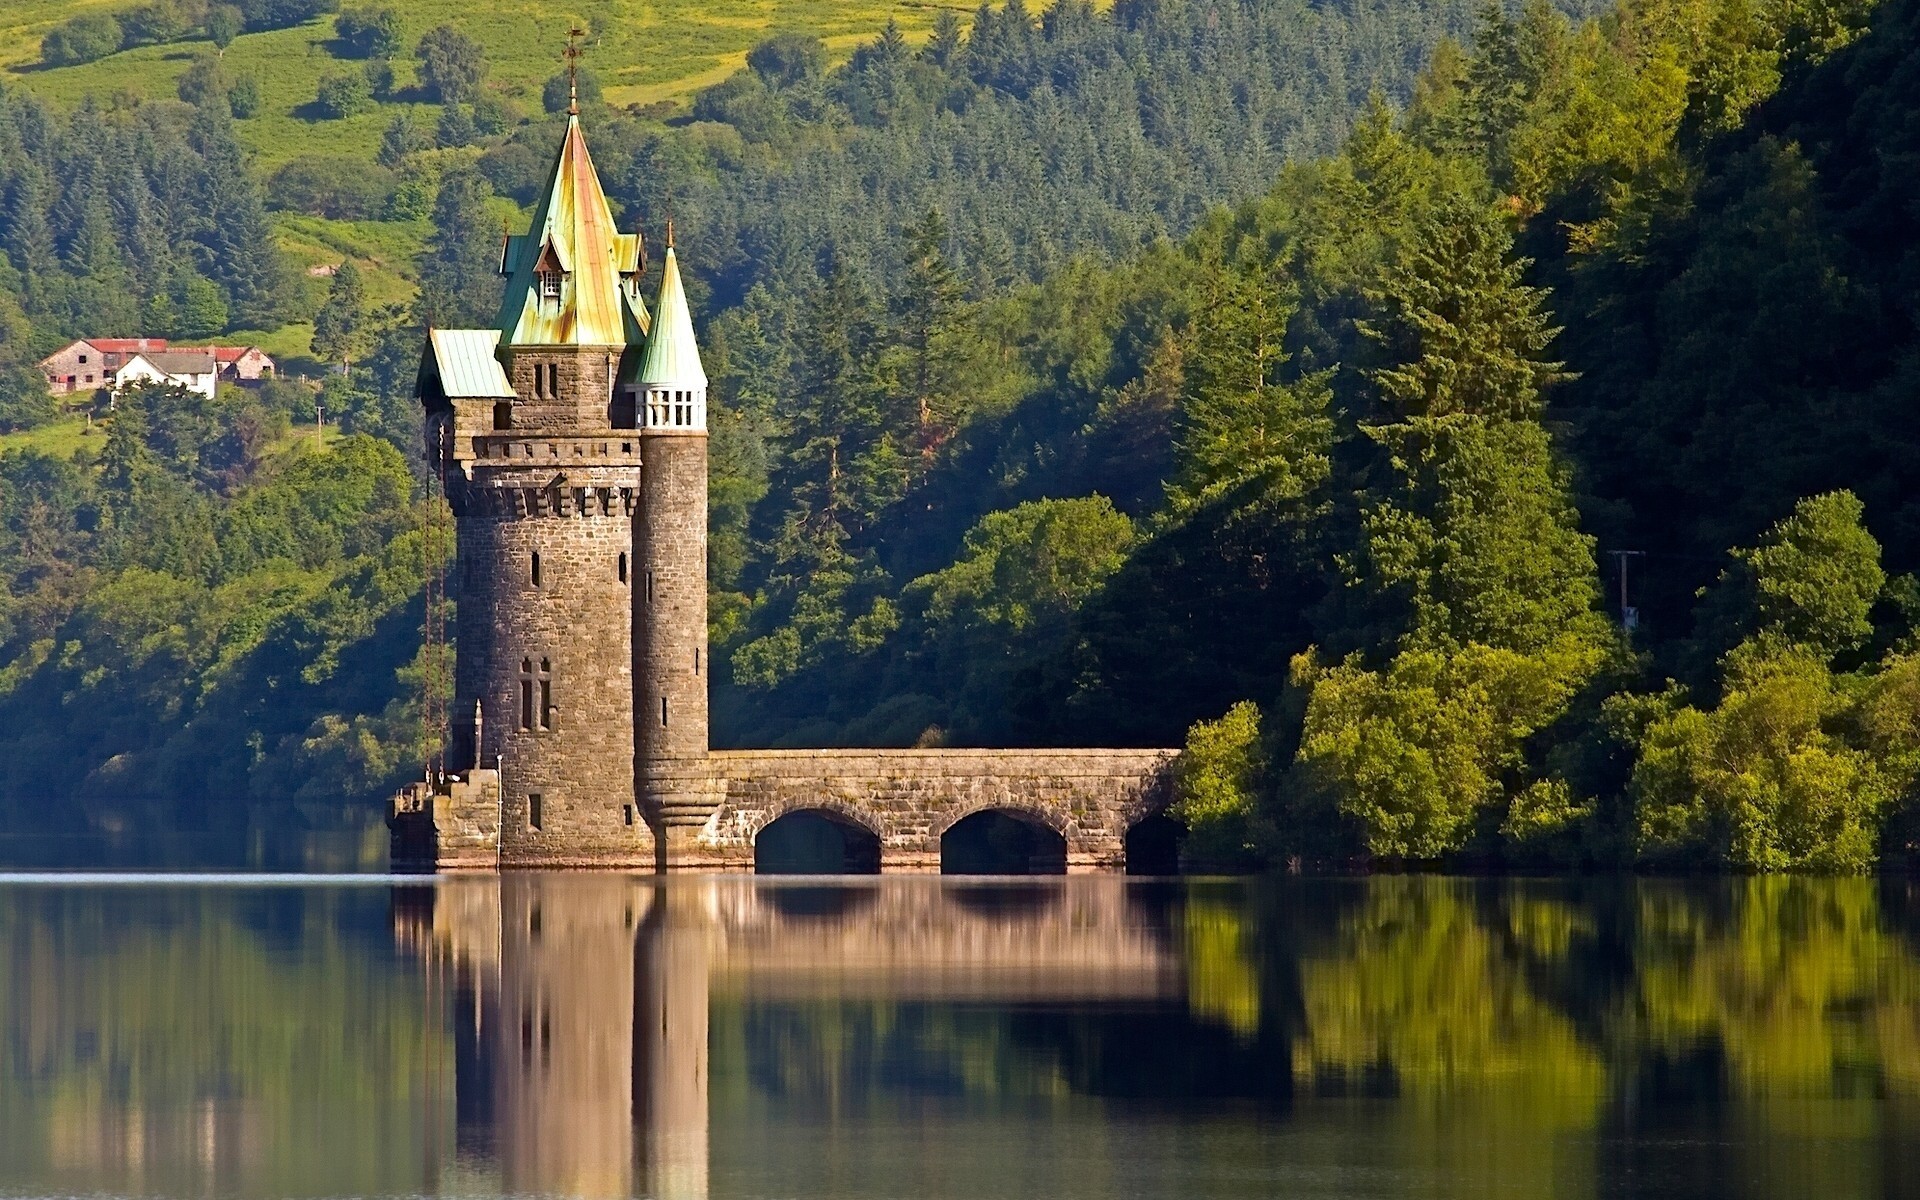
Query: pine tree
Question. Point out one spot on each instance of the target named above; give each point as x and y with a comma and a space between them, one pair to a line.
459, 281
928, 312
1244, 420
339, 326
1460, 331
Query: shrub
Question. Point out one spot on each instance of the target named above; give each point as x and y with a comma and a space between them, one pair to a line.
158, 22
344, 95
369, 32
202, 81
224, 23
451, 65
337, 187
84, 39
283, 14
1217, 782
379, 77
244, 97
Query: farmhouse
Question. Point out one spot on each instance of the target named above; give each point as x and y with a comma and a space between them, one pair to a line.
89, 364
94, 363
194, 370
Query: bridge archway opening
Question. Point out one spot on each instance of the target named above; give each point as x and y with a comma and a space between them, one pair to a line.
814, 841
997, 842
1153, 846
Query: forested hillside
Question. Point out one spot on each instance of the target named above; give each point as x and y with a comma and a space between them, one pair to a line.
1024, 437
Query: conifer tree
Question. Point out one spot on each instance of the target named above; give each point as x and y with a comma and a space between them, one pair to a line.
339, 326
1244, 419
1461, 332
459, 282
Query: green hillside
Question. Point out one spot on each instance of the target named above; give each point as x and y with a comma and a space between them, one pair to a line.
642, 50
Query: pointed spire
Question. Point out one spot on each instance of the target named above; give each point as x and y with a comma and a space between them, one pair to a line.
568, 279
672, 359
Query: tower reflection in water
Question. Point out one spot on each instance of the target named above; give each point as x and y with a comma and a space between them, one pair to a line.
580, 1004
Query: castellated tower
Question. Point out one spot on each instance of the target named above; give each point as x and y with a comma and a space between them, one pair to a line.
536, 428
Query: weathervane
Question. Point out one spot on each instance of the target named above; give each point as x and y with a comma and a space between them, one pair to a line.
573, 53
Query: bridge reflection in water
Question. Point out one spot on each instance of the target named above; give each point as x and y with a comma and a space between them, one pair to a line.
581, 1003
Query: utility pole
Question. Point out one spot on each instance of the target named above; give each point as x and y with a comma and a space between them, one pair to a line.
1629, 615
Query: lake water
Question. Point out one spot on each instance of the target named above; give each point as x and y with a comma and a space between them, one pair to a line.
605, 1035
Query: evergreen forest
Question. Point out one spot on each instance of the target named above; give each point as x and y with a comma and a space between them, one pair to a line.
1481, 437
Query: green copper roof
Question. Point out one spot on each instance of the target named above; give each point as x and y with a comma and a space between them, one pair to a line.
673, 357
598, 267
464, 360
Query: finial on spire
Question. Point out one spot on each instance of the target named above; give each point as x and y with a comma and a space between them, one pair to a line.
573, 53
669, 216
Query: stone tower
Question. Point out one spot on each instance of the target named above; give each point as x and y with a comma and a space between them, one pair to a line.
535, 428
670, 549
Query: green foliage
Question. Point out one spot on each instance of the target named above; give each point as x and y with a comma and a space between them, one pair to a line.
559, 91
452, 65
224, 24
369, 32
244, 97
458, 272
1809, 585
1474, 538
340, 327
343, 95
1244, 423
81, 39
157, 22
1218, 780
24, 400
1403, 762
1759, 782
1461, 332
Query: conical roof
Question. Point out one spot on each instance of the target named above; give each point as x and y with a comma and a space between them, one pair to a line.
573, 235
672, 358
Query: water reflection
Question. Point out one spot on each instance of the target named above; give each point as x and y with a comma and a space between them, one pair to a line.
601, 1035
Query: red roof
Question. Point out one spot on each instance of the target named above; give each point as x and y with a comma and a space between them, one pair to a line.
126, 345
225, 354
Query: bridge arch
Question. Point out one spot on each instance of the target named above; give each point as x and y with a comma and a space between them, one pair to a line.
815, 838
1151, 845
994, 839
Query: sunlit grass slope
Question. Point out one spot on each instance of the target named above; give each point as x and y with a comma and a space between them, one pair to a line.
642, 50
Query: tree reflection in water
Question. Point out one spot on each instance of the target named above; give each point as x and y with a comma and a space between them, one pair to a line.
605, 1035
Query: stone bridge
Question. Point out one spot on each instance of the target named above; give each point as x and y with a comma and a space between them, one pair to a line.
1070, 811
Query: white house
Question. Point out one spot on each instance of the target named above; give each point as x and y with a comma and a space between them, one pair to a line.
194, 370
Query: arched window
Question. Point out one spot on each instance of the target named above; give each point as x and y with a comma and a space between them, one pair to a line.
534, 574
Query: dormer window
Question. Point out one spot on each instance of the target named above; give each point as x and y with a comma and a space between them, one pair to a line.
550, 284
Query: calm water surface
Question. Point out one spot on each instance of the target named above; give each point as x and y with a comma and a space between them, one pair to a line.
615, 1035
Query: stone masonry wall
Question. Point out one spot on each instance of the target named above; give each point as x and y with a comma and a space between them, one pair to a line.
909, 798
670, 631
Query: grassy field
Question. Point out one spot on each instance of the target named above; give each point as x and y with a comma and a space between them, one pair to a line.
59, 439
642, 50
